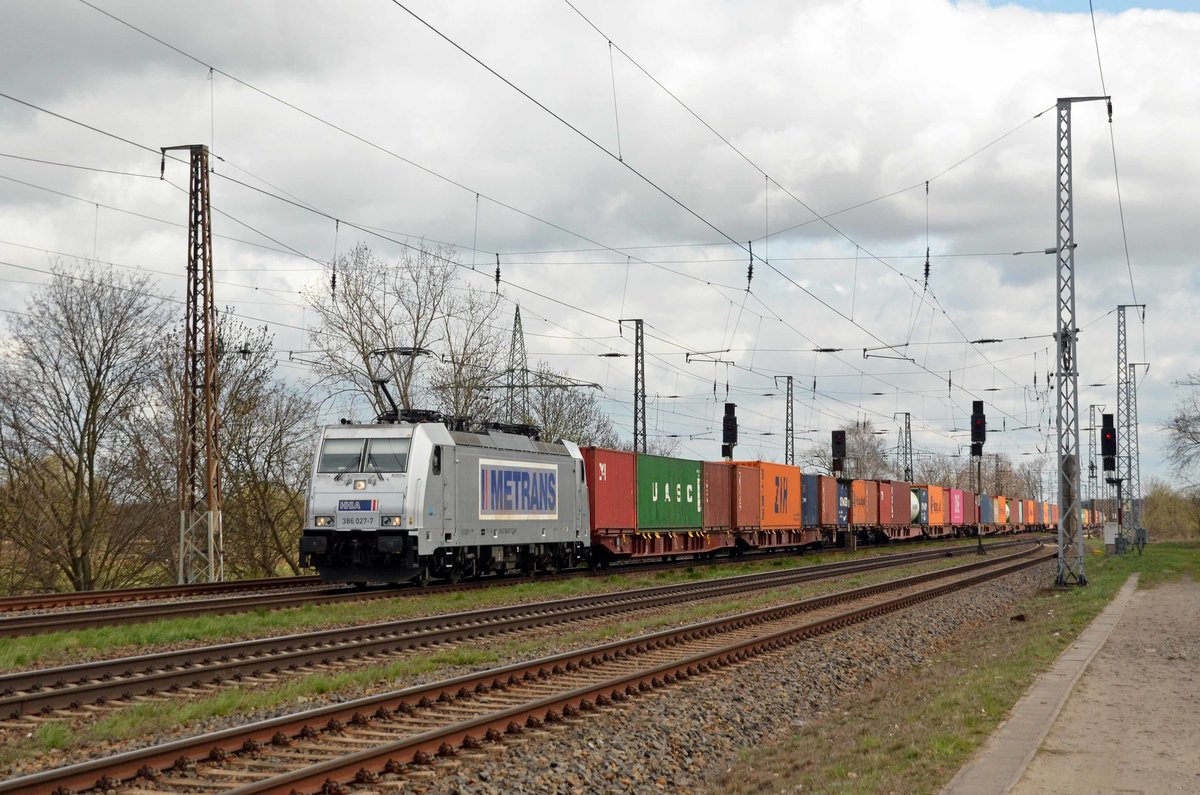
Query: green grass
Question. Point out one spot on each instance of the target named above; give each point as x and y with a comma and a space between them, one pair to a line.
54, 734
912, 733
63, 647
158, 718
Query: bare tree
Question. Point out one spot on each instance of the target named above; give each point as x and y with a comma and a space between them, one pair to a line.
866, 452
1171, 512
1183, 430
568, 412
76, 369
463, 382
266, 443
377, 318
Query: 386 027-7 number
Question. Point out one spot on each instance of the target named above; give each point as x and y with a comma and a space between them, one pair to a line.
357, 520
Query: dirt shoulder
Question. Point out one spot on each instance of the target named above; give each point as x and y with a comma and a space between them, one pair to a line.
1130, 725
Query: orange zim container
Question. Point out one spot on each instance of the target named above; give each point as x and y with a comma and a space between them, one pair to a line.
780, 493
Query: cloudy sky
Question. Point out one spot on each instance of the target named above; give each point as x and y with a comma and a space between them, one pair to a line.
621, 158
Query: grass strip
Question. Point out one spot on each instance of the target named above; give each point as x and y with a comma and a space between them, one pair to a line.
59, 648
149, 720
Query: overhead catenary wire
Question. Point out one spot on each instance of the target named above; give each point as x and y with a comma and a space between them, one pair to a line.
1112, 138
339, 128
756, 297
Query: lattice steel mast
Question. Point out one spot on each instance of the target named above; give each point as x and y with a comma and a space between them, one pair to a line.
639, 386
201, 541
1127, 445
789, 439
1135, 456
1070, 535
517, 408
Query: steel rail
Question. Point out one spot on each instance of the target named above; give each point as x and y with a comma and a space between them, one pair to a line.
73, 686
180, 754
49, 601
362, 767
26, 622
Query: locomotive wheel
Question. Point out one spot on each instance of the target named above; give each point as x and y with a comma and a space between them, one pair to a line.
455, 576
423, 577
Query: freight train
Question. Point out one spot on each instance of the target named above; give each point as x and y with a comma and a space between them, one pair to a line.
403, 501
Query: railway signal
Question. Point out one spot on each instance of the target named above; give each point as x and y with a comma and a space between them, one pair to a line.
729, 431
839, 450
978, 427
1108, 443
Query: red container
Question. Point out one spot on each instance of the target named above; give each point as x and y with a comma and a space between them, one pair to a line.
957, 507
747, 496
1030, 512
864, 505
716, 489
901, 503
886, 507
828, 491
612, 488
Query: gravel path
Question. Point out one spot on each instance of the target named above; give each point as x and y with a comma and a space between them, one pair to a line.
1130, 724
677, 740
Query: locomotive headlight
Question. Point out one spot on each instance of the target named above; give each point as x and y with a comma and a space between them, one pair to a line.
390, 521
323, 521
359, 485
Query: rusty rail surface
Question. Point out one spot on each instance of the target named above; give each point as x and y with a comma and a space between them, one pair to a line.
590, 678
101, 681
96, 616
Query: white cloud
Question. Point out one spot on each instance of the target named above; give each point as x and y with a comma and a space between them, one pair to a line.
839, 102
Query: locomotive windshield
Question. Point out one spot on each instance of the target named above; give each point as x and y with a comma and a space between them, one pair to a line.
387, 455
340, 455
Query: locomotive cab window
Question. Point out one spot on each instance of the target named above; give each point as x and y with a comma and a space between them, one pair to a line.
340, 455
387, 455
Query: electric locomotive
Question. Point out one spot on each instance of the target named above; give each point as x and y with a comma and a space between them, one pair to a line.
398, 500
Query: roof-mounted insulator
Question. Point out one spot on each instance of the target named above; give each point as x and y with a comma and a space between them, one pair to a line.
750, 269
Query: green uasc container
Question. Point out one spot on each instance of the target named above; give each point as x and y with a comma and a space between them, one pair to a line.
668, 493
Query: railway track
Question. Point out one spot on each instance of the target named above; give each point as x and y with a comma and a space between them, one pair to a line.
101, 682
357, 741
13, 624
55, 601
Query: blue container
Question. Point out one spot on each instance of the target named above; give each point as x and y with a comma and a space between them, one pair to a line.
810, 501
923, 501
843, 503
987, 509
